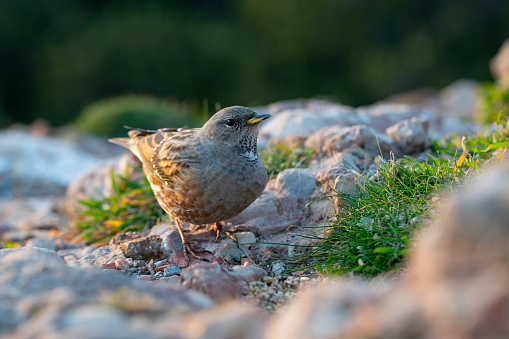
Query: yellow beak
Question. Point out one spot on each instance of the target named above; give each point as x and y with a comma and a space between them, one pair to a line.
258, 118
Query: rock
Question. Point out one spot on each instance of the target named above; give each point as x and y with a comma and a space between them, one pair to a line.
94, 321
42, 297
362, 136
460, 99
303, 122
346, 183
278, 268
44, 243
146, 248
298, 182
266, 205
124, 237
411, 135
322, 208
248, 273
212, 280
460, 268
228, 321
38, 166
322, 313
105, 255
230, 253
172, 270
245, 240
178, 259
268, 225
31, 252
318, 138
499, 65
121, 265
339, 165
383, 115
171, 241
31, 213
161, 229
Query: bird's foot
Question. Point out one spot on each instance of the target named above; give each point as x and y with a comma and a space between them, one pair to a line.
219, 228
190, 250
187, 246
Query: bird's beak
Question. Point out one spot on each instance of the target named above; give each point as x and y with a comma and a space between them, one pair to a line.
258, 118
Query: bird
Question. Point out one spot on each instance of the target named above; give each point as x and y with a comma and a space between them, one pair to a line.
203, 175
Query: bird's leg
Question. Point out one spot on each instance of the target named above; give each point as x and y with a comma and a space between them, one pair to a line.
219, 228
187, 245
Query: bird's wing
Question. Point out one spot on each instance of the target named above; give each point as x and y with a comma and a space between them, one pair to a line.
173, 156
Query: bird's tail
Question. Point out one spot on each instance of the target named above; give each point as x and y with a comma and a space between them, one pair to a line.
124, 142
133, 134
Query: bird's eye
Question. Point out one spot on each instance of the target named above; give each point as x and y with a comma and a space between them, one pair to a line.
230, 122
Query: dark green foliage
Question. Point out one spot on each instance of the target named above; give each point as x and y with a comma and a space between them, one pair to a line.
57, 56
131, 207
107, 117
278, 157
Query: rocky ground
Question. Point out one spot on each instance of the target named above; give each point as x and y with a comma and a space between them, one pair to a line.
139, 285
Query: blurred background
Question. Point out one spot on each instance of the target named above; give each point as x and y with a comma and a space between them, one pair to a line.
84, 61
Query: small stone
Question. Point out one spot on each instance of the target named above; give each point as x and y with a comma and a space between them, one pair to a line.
172, 270
411, 135
144, 248
171, 241
178, 259
230, 253
245, 240
248, 273
278, 268
362, 136
160, 263
121, 265
266, 205
213, 280
298, 182
109, 266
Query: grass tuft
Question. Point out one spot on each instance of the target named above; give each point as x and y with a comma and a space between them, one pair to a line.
373, 230
278, 157
131, 207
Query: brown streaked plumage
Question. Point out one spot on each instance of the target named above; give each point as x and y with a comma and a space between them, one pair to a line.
203, 175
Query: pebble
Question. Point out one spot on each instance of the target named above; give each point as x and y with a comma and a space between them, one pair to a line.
278, 268
121, 265
172, 270
160, 263
230, 253
271, 293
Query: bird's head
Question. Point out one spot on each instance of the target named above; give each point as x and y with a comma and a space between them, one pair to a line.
236, 126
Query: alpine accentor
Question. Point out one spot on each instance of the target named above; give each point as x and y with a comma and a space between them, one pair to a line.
203, 175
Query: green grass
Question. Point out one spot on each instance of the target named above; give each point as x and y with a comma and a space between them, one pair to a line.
131, 207
373, 231
278, 157
481, 146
